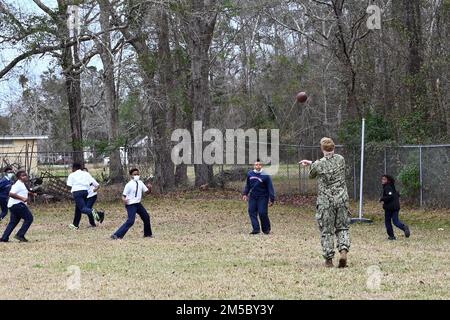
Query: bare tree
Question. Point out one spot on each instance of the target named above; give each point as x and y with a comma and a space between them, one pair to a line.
111, 97
201, 20
136, 14
62, 43
338, 26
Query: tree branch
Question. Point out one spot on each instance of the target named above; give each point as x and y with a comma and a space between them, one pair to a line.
46, 9
83, 62
296, 30
322, 3
46, 49
5, 11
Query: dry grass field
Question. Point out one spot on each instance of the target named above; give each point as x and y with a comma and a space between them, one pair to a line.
202, 250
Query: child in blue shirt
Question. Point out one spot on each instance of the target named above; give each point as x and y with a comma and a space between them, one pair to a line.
260, 194
5, 187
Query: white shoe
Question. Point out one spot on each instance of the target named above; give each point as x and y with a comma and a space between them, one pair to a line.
73, 227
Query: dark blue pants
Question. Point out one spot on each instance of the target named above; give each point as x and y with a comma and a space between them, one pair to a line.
259, 206
91, 201
90, 204
392, 216
3, 207
132, 210
18, 211
81, 206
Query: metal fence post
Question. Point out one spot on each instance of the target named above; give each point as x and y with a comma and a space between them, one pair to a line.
361, 179
355, 195
299, 172
287, 170
421, 176
361, 173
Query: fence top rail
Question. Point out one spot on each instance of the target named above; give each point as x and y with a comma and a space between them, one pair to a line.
422, 146
64, 153
315, 147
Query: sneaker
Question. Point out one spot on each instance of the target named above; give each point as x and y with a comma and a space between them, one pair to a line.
151, 236
329, 263
114, 237
95, 214
392, 238
101, 215
254, 232
407, 231
73, 227
21, 239
3, 240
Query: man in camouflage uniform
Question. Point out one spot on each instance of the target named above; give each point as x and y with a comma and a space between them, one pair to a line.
332, 202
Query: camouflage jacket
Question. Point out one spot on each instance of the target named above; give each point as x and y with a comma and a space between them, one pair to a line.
330, 172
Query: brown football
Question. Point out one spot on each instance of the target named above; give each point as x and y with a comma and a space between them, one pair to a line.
302, 97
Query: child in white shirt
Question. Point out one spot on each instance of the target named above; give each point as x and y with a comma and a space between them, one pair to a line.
132, 196
17, 204
92, 196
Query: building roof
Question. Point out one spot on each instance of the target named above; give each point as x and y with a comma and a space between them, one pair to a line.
23, 137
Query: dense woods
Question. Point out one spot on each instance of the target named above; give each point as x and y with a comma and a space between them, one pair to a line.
102, 73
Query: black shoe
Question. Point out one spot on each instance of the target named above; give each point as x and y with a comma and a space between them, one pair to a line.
266, 232
114, 237
150, 236
101, 214
254, 232
3, 240
407, 231
392, 238
21, 239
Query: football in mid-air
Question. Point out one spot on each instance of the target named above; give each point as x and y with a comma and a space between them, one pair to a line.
302, 97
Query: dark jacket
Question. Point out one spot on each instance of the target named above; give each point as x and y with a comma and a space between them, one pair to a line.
259, 185
390, 198
5, 187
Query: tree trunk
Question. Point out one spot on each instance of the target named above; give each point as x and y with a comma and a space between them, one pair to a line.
182, 114
136, 36
201, 31
353, 110
73, 90
163, 119
342, 52
417, 88
69, 59
115, 165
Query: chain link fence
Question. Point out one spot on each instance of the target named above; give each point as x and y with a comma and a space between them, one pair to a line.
422, 172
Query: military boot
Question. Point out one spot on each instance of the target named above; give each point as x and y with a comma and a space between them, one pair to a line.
343, 259
329, 263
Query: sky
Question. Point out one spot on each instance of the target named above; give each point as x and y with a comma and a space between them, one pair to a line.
10, 89
9, 86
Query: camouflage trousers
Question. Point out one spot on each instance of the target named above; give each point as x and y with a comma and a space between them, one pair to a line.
333, 220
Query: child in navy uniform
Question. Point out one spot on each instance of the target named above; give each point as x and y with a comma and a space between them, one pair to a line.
17, 204
5, 186
92, 197
80, 182
260, 194
391, 206
131, 197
